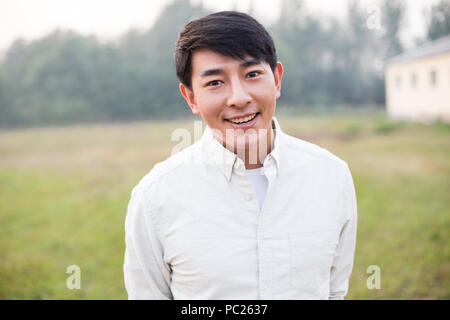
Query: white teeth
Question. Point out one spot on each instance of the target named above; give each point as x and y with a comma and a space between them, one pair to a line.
245, 119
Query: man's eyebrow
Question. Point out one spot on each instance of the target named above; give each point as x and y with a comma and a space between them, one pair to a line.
245, 64
249, 63
211, 72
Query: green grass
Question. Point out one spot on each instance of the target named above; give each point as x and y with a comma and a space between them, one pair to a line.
64, 193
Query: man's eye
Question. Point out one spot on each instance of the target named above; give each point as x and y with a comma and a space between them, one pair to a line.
253, 74
213, 83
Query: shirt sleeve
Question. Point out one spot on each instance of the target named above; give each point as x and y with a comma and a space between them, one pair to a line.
343, 259
146, 275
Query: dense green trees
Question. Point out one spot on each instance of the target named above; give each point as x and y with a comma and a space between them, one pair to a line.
439, 20
65, 77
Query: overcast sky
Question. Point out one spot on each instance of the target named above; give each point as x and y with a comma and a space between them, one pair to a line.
108, 19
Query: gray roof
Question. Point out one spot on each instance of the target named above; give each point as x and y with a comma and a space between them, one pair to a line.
438, 46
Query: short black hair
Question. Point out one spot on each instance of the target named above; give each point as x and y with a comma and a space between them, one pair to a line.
230, 33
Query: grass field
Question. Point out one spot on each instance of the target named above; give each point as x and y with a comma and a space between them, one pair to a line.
64, 194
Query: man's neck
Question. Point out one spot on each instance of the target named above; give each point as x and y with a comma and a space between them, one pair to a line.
254, 155
254, 152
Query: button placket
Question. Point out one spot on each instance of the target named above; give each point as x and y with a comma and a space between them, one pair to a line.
247, 189
262, 263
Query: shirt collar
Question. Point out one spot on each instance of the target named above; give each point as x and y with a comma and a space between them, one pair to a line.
227, 160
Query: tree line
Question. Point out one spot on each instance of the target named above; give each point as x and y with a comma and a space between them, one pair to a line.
65, 77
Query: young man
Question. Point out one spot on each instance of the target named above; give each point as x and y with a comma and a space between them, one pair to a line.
247, 212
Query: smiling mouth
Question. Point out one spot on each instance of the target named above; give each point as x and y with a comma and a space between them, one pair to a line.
243, 119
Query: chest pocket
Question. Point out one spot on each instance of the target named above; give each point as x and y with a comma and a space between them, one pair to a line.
311, 257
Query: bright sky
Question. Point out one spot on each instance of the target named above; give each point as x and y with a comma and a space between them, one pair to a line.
108, 19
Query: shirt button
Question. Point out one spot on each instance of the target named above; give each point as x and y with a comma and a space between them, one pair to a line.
248, 197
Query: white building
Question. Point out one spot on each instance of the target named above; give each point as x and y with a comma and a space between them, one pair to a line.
418, 83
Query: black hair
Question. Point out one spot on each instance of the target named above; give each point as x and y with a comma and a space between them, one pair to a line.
230, 33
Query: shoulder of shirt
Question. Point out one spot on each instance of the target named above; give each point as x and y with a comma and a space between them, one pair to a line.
169, 165
315, 151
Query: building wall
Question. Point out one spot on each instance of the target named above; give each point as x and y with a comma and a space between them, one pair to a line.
410, 93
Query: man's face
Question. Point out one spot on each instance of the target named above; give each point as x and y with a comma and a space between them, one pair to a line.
233, 96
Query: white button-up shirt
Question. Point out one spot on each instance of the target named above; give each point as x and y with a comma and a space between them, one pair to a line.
194, 229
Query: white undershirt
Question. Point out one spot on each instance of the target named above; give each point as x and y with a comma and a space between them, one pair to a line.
260, 183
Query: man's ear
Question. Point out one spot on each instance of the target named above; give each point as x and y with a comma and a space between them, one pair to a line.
278, 76
188, 95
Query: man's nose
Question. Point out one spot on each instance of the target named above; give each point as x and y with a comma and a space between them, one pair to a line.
238, 95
